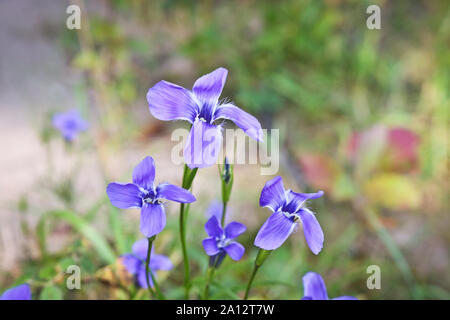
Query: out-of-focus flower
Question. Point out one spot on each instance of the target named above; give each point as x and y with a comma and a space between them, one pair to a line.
289, 209
70, 124
221, 241
21, 292
143, 193
201, 107
315, 289
135, 262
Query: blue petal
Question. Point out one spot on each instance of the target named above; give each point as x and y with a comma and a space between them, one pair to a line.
296, 200
234, 229
213, 228
153, 219
124, 196
345, 298
174, 193
210, 246
69, 123
235, 250
248, 123
215, 210
203, 145
314, 286
160, 262
273, 194
21, 292
140, 248
274, 231
131, 263
207, 89
142, 279
168, 101
312, 230
144, 173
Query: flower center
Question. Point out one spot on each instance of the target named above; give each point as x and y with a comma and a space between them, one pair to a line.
149, 196
222, 241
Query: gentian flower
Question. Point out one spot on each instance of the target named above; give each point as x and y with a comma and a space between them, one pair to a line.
315, 289
289, 209
135, 262
21, 292
221, 241
201, 107
70, 124
143, 193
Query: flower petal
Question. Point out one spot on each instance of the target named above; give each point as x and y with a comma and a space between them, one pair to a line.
171, 192
153, 219
213, 228
273, 194
160, 262
210, 246
144, 173
124, 196
242, 119
314, 286
274, 231
21, 292
312, 230
215, 210
345, 298
142, 279
234, 229
296, 200
168, 101
131, 263
208, 88
140, 248
235, 250
203, 145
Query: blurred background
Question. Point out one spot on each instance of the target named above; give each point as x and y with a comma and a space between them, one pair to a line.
363, 115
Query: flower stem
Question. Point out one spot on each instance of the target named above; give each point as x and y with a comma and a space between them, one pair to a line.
260, 258
188, 178
209, 277
224, 212
147, 265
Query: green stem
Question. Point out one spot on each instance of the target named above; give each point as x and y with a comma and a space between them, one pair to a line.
224, 212
158, 291
188, 178
147, 265
209, 277
260, 258
250, 282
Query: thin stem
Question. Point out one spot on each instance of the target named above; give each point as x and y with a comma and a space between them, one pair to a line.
209, 277
224, 212
250, 282
158, 291
147, 265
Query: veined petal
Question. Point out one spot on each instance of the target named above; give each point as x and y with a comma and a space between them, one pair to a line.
124, 196
345, 298
234, 229
235, 250
314, 286
296, 200
210, 246
208, 88
153, 219
171, 192
142, 279
274, 231
168, 101
160, 262
203, 145
140, 248
21, 292
273, 194
242, 119
312, 230
131, 263
213, 228
144, 173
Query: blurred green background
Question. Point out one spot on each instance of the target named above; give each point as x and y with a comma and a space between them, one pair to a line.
362, 114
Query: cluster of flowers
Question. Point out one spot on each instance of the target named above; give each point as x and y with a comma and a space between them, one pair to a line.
201, 107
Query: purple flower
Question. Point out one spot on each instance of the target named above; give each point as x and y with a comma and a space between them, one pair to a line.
21, 292
135, 262
315, 289
70, 124
289, 209
201, 107
221, 242
143, 193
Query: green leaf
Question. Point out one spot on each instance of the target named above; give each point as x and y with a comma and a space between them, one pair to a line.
51, 293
